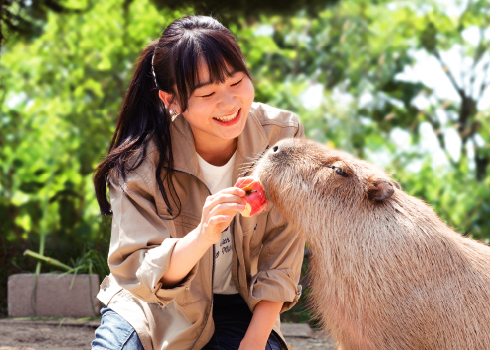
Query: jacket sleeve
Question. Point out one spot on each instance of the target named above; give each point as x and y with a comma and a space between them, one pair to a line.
280, 259
141, 243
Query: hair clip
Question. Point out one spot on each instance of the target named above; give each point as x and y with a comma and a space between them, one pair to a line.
153, 70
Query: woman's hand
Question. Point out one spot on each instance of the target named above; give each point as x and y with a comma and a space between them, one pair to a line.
218, 211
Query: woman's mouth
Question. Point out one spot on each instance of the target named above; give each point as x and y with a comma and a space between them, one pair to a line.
229, 119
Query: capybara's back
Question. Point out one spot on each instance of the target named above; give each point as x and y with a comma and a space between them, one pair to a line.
386, 272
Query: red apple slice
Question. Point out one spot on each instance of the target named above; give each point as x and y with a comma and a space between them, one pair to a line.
255, 200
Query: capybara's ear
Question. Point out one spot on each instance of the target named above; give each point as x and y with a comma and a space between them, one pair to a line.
380, 188
397, 184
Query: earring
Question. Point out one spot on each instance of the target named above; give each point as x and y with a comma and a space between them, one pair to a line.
173, 112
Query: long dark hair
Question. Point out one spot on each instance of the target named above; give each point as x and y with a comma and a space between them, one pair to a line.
184, 44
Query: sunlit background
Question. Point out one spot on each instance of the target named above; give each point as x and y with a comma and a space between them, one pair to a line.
403, 84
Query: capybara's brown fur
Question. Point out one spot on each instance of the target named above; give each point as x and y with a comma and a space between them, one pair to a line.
386, 272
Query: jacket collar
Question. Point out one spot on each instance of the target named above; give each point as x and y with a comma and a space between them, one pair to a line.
252, 142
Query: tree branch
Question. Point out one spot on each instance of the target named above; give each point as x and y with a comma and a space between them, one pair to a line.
462, 70
481, 162
480, 49
484, 84
446, 70
436, 127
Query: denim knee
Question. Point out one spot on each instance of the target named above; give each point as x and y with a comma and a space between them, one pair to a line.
273, 343
115, 333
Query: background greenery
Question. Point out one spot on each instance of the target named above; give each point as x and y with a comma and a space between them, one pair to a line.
342, 66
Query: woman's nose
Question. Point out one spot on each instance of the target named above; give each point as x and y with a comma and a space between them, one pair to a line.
228, 101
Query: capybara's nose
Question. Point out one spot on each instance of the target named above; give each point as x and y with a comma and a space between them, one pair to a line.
275, 149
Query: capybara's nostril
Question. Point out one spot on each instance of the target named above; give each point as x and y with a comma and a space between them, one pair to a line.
275, 148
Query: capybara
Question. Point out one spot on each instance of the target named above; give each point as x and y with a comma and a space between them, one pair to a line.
386, 272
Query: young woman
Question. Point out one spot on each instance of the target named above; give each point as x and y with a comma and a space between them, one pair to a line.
186, 271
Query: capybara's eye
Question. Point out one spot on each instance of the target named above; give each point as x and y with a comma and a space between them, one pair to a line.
341, 172
338, 171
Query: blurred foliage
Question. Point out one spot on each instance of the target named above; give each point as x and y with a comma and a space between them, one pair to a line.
25, 19
63, 80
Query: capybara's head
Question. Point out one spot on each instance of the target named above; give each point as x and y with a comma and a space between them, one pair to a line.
303, 177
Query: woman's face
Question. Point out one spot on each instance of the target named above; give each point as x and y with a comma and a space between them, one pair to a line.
218, 112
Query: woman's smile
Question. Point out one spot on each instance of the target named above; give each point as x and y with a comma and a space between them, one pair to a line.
229, 119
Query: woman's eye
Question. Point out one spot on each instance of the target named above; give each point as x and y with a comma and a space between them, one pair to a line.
238, 82
211, 94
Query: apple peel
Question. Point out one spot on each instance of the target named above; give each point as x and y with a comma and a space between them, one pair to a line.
255, 200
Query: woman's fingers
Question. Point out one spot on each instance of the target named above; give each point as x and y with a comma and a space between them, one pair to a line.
240, 179
223, 197
218, 219
219, 210
235, 190
232, 190
217, 199
226, 209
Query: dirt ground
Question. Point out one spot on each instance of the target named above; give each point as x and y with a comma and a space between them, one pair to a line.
54, 336
16, 336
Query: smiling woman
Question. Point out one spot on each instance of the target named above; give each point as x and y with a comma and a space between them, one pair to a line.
216, 112
186, 271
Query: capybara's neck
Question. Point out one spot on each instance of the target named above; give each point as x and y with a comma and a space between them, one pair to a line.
395, 240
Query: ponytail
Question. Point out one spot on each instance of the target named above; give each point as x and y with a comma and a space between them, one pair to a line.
143, 115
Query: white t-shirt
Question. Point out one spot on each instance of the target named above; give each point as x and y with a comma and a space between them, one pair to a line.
218, 178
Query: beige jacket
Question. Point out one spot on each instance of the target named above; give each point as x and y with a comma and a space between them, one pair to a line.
267, 252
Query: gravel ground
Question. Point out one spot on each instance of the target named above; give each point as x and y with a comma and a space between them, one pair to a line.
37, 335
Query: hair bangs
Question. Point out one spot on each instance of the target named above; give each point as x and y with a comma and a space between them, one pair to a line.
220, 53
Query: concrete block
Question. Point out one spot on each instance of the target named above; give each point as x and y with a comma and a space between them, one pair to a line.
299, 330
54, 298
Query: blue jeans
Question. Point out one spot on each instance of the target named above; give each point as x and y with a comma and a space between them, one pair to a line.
115, 333
231, 318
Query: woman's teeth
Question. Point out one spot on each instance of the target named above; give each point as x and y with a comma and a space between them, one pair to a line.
227, 118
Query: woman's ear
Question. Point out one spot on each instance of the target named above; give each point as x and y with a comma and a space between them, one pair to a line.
168, 100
